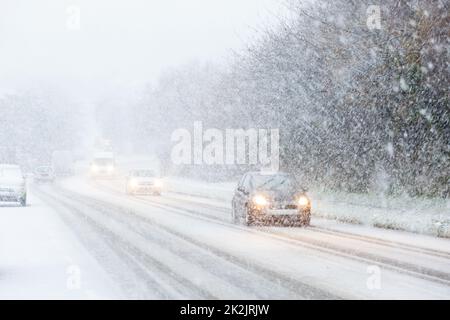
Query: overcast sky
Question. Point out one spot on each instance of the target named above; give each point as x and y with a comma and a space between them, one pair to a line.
118, 41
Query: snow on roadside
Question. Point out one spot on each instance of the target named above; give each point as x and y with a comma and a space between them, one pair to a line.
222, 191
425, 216
41, 259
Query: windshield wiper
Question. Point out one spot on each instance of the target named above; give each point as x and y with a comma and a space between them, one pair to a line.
265, 183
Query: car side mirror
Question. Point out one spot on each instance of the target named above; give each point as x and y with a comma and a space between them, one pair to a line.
243, 191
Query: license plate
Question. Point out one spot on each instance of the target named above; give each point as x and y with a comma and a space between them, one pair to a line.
283, 212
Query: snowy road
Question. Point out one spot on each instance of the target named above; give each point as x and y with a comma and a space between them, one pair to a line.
41, 258
184, 247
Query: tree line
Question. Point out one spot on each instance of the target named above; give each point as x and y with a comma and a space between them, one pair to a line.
359, 109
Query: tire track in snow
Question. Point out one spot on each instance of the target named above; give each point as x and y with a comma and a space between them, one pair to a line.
325, 230
387, 243
302, 290
169, 284
357, 255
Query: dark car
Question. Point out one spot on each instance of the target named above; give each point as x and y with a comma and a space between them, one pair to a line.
270, 199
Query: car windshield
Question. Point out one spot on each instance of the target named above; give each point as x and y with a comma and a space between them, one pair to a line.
10, 173
103, 162
281, 183
44, 170
143, 174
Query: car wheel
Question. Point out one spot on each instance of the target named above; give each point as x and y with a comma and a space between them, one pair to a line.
234, 217
307, 220
23, 201
249, 218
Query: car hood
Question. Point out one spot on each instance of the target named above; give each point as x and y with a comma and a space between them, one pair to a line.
141, 179
280, 196
12, 182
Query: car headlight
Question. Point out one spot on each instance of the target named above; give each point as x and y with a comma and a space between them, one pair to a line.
158, 183
260, 200
94, 169
110, 168
303, 201
133, 183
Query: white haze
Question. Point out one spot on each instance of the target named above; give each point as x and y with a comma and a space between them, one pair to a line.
120, 43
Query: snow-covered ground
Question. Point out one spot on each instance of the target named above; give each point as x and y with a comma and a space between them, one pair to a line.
191, 238
40, 258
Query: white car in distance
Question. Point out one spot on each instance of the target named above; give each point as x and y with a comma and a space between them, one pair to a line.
143, 182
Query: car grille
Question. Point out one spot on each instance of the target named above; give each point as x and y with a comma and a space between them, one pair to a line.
285, 207
10, 190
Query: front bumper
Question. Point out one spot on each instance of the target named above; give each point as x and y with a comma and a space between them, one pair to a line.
280, 217
103, 174
145, 189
